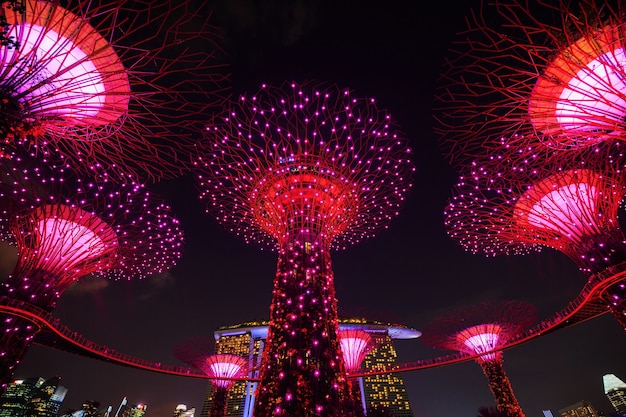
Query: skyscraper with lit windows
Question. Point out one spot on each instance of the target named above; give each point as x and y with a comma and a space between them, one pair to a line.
33, 397
381, 391
580, 409
385, 391
615, 390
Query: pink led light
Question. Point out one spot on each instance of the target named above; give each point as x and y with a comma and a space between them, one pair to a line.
108, 86
480, 328
566, 203
515, 206
72, 71
355, 345
83, 99
71, 236
117, 231
225, 366
583, 89
567, 210
299, 170
597, 92
305, 169
510, 75
480, 339
224, 369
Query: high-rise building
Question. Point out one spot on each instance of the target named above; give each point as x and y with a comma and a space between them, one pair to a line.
127, 410
381, 391
33, 397
615, 390
90, 409
580, 409
182, 411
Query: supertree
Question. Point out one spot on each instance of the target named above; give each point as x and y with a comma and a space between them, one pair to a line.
306, 169
66, 227
355, 345
515, 206
484, 328
118, 86
550, 72
224, 369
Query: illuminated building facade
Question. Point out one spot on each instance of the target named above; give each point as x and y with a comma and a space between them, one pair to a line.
386, 390
383, 391
615, 390
90, 409
580, 409
33, 397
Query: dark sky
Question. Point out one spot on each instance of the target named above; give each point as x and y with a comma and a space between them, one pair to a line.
410, 273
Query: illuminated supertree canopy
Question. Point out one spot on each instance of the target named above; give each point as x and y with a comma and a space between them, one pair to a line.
483, 328
223, 369
554, 201
355, 344
303, 169
66, 227
550, 71
113, 85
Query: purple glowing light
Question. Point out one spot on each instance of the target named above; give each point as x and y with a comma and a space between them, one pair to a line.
224, 366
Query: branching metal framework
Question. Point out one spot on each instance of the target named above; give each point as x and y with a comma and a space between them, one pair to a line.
66, 227
224, 369
483, 328
118, 86
303, 169
531, 110
568, 204
550, 71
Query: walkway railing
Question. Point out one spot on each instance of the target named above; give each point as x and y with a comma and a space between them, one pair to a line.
587, 305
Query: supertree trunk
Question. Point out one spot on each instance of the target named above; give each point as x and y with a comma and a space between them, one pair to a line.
219, 402
501, 389
302, 372
17, 335
355, 391
39, 288
598, 251
615, 297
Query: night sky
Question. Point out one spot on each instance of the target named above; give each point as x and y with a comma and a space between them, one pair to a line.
409, 273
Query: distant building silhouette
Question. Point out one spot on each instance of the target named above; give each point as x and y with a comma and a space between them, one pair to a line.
90, 409
615, 390
580, 409
33, 397
183, 411
126, 410
248, 340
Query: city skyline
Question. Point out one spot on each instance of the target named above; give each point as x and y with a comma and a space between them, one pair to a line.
409, 274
